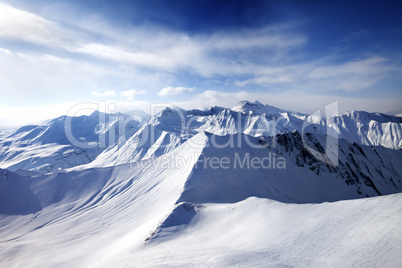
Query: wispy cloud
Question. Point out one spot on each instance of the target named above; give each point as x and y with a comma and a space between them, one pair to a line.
355, 35
55, 59
84, 62
143, 58
108, 93
16, 24
5, 51
353, 75
350, 76
170, 91
206, 54
132, 94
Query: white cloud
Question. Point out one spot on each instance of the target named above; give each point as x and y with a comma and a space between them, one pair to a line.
318, 76
17, 24
142, 58
353, 75
55, 59
156, 49
132, 94
48, 78
5, 51
108, 93
269, 38
208, 55
149, 58
170, 91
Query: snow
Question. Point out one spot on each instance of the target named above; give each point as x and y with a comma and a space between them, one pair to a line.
158, 194
73, 219
4, 131
46, 148
129, 216
264, 233
148, 213
255, 107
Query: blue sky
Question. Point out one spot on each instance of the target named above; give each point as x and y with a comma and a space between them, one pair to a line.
298, 55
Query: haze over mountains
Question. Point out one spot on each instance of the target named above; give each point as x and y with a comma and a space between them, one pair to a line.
220, 187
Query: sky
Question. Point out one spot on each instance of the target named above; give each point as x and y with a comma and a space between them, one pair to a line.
296, 55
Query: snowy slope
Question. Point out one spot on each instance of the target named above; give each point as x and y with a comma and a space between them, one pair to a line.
263, 233
4, 131
370, 128
362, 171
287, 172
165, 211
249, 118
73, 219
46, 147
219, 187
160, 135
171, 127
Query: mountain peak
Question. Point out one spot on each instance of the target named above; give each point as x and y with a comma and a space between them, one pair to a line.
246, 102
170, 118
255, 107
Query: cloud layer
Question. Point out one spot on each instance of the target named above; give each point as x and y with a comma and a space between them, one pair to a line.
86, 59
132, 94
170, 91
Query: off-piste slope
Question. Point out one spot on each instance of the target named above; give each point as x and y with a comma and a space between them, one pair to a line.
234, 167
149, 142
75, 218
90, 217
259, 232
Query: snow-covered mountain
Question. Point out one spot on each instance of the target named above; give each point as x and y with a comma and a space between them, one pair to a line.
289, 173
221, 187
374, 129
47, 148
106, 215
171, 127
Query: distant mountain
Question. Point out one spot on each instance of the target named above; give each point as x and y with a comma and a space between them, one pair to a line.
47, 148
96, 213
251, 185
171, 127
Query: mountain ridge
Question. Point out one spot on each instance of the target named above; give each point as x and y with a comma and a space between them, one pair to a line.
185, 178
45, 148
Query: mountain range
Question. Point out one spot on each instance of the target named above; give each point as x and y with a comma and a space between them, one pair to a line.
250, 185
